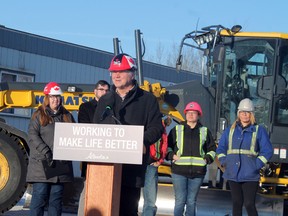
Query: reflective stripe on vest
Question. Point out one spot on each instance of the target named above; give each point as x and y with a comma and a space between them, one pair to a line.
221, 155
189, 160
243, 151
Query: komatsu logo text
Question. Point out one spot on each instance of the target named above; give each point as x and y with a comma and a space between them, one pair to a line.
70, 100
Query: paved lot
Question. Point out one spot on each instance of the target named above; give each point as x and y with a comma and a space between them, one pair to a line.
210, 202
165, 205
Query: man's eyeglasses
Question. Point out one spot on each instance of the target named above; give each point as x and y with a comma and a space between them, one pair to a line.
102, 89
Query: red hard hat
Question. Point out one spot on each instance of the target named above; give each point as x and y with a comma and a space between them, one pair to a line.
122, 62
52, 88
193, 106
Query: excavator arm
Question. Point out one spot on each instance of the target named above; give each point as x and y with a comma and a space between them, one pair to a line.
30, 95
160, 93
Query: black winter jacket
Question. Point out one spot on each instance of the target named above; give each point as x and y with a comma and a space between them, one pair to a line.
85, 115
86, 111
191, 148
138, 108
40, 142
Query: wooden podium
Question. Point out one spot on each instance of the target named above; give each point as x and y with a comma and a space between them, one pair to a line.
105, 148
103, 188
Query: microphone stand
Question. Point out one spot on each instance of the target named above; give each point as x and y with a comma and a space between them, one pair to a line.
116, 119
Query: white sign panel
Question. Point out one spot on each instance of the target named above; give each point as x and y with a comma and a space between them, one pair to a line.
98, 143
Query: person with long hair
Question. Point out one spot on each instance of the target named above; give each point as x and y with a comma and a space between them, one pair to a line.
243, 149
190, 148
45, 174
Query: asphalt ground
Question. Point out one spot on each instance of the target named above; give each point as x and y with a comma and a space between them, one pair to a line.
165, 205
214, 202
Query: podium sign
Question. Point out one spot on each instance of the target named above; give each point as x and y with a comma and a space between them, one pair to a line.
98, 143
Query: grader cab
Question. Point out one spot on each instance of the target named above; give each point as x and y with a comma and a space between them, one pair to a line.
240, 65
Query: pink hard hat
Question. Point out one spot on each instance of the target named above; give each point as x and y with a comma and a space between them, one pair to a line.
193, 106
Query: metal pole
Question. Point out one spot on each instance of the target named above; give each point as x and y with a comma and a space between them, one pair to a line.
139, 56
116, 46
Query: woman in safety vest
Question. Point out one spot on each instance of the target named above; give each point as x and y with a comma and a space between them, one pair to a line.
243, 150
190, 148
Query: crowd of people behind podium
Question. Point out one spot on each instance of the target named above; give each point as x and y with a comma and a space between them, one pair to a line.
243, 149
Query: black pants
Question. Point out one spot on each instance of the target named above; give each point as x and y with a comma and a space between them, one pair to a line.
129, 200
244, 193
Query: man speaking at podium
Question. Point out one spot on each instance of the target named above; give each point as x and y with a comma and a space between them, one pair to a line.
127, 104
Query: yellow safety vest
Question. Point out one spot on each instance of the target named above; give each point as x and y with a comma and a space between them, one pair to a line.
190, 160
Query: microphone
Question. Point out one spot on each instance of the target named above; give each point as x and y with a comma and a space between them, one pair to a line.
106, 112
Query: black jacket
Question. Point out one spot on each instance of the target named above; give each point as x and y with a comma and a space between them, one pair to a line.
86, 111
41, 140
138, 108
191, 148
85, 115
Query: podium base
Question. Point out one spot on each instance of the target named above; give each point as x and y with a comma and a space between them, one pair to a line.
103, 188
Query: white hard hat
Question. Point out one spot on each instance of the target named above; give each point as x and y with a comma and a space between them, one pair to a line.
246, 105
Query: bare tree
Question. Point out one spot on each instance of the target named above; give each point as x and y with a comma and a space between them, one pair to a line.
192, 59
172, 55
159, 55
160, 50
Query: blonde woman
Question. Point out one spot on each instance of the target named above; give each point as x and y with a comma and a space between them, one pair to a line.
243, 150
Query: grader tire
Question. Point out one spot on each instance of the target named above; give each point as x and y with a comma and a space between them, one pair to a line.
13, 169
